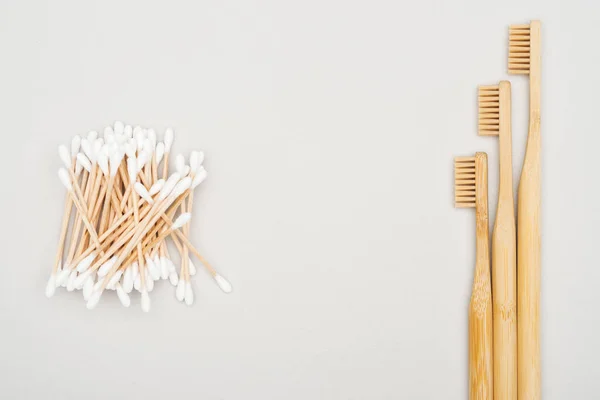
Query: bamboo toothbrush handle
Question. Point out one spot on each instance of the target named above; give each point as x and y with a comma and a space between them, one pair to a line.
528, 238
504, 263
480, 309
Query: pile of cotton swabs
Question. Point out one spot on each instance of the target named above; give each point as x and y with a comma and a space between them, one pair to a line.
122, 206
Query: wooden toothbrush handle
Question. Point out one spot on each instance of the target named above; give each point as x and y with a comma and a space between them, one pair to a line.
528, 277
504, 282
480, 337
481, 380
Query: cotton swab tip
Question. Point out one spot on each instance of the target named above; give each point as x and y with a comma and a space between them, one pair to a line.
189, 294
51, 286
180, 290
180, 164
158, 185
192, 267
93, 300
143, 192
196, 160
75, 145
65, 155
199, 177
223, 284
168, 140
181, 220
145, 301
65, 179
123, 297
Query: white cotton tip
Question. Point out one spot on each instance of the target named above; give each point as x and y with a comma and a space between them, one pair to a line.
71, 281
141, 160
102, 158
107, 266
115, 278
128, 280
75, 145
51, 286
157, 263
173, 278
128, 131
123, 296
181, 187
92, 135
145, 301
160, 152
93, 300
168, 186
85, 263
137, 130
153, 270
168, 139
86, 147
200, 177
97, 148
196, 160
181, 220
158, 185
149, 281
82, 278
119, 127
180, 164
192, 267
84, 161
65, 156
171, 265
186, 170
164, 268
132, 169
65, 179
152, 138
137, 283
148, 148
135, 270
108, 131
180, 290
130, 148
88, 287
78, 168
115, 161
143, 192
189, 294
63, 276
139, 140
223, 283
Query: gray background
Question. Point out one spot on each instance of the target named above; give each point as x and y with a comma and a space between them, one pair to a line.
329, 129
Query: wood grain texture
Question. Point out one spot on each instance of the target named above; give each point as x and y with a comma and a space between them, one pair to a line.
528, 238
504, 263
480, 309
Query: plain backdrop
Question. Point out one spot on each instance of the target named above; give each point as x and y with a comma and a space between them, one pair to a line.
329, 129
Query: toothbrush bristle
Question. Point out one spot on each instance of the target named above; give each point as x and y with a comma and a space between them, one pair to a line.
489, 110
519, 46
464, 182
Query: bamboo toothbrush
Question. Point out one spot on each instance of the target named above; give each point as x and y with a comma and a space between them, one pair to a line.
495, 120
524, 58
471, 190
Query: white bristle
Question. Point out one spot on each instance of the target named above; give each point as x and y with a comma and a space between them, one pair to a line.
65, 179
200, 177
189, 294
223, 283
168, 139
180, 290
65, 156
51, 286
158, 185
123, 296
143, 192
181, 220
145, 301
192, 267
75, 145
